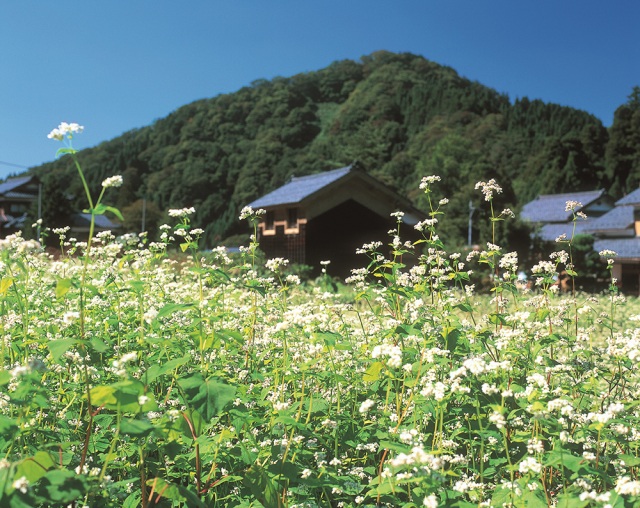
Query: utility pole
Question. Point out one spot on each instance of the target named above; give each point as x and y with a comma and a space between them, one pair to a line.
144, 213
471, 210
39, 211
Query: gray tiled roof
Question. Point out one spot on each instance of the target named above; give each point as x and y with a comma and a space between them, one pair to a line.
549, 232
299, 188
102, 221
625, 248
13, 183
618, 218
633, 198
551, 207
18, 195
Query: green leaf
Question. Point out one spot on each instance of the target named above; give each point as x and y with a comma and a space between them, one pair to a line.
571, 501
62, 486
62, 287
208, 397
564, 458
114, 211
155, 370
8, 427
123, 395
5, 284
102, 208
135, 427
34, 468
161, 488
630, 460
170, 308
59, 347
98, 345
372, 374
5, 377
64, 151
262, 487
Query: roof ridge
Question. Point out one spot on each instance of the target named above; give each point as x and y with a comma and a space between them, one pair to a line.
318, 174
556, 196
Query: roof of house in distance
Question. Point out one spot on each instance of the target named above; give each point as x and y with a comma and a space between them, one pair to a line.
301, 191
633, 198
101, 221
618, 218
627, 249
551, 232
14, 183
299, 188
552, 207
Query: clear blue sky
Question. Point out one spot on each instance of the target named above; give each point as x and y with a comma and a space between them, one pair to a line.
114, 65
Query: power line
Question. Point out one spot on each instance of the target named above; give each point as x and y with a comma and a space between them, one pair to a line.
3, 163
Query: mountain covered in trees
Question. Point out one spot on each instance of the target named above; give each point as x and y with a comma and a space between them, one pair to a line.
400, 116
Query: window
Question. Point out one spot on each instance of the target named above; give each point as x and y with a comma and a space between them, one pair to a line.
292, 218
17, 208
269, 220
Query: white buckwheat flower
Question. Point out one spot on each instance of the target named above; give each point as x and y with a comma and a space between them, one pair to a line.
21, 484
181, 212
488, 188
112, 181
65, 130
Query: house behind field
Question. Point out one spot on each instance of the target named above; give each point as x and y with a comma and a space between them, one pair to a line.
328, 216
614, 227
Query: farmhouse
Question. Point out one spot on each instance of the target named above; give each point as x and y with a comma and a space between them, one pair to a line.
614, 226
549, 214
16, 196
327, 216
619, 230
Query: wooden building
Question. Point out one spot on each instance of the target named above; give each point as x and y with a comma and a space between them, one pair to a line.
16, 196
327, 216
548, 213
619, 231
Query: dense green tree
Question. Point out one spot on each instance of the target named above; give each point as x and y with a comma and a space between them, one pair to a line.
400, 115
623, 149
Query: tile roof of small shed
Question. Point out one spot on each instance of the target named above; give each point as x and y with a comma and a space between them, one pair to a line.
625, 248
633, 198
300, 188
618, 218
549, 232
551, 207
101, 221
13, 183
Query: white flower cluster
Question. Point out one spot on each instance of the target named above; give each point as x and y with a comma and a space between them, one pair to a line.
428, 180
488, 188
509, 261
392, 352
366, 405
112, 181
529, 465
21, 484
247, 213
275, 263
417, 456
570, 206
425, 224
627, 486
181, 212
65, 130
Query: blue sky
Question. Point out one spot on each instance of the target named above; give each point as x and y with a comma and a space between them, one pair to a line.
117, 65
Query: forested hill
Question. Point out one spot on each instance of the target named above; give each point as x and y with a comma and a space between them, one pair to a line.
401, 116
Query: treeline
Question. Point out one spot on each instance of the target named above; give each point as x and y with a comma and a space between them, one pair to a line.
400, 115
